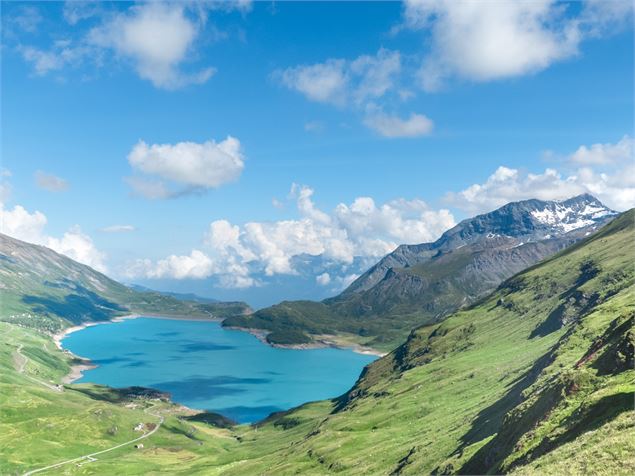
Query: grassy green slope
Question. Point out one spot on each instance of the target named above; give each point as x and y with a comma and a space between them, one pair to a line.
44, 290
540, 370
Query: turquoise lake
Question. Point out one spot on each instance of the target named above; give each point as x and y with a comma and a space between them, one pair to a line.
206, 367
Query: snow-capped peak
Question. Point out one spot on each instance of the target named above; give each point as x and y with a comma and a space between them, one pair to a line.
572, 214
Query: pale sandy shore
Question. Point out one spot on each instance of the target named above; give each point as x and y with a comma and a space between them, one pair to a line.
84, 364
77, 371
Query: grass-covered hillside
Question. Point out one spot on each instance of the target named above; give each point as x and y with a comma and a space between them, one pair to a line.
45, 290
536, 378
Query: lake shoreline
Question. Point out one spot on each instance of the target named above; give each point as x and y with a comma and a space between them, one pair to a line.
320, 343
176, 354
83, 364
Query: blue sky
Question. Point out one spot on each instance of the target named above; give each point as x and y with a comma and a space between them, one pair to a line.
393, 120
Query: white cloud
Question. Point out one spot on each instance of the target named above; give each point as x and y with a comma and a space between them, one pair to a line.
484, 41
62, 54
323, 82
613, 183
23, 225
416, 125
50, 182
359, 84
361, 229
27, 19
377, 74
76, 11
323, 279
345, 281
602, 17
195, 265
118, 229
189, 165
157, 38
358, 229
341, 82
78, 246
602, 154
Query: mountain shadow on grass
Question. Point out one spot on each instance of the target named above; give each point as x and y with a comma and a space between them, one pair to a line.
119, 395
189, 433
574, 303
211, 418
489, 420
83, 305
588, 418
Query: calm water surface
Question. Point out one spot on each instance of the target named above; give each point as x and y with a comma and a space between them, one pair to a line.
207, 367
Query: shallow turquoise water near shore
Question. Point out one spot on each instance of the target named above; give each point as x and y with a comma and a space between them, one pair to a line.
207, 367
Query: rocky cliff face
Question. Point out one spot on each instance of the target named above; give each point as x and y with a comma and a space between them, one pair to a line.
512, 225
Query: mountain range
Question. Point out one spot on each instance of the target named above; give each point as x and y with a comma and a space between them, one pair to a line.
535, 377
420, 284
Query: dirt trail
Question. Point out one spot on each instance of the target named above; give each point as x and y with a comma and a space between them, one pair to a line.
20, 360
89, 458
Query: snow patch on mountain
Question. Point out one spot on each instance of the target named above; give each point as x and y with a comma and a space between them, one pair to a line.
571, 215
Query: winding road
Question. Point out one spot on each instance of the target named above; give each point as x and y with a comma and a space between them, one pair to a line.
91, 457
20, 363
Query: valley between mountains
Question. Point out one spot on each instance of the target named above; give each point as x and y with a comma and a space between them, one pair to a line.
510, 350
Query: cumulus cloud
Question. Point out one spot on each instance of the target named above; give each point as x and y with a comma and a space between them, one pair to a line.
602, 154
416, 125
613, 183
157, 38
27, 18
345, 281
75, 11
78, 246
62, 54
195, 265
323, 82
323, 279
118, 229
24, 225
190, 166
359, 229
342, 82
485, 41
358, 83
50, 182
